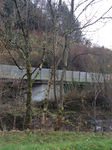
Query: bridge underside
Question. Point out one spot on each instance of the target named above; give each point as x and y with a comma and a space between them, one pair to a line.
39, 92
39, 88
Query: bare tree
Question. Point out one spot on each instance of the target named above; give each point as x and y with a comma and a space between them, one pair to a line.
25, 49
67, 36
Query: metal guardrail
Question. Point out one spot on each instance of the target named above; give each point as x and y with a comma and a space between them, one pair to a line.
12, 72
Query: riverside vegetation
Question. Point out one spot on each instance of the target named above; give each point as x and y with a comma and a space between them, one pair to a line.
50, 140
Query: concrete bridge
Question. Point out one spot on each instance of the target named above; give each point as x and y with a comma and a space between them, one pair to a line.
39, 87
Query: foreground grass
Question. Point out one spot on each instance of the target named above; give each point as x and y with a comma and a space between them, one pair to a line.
54, 141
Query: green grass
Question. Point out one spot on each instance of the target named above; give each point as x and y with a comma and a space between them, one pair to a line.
54, 141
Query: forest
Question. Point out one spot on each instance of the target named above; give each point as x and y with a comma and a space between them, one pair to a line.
49, 34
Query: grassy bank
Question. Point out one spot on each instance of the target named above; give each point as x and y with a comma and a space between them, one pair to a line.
54, 141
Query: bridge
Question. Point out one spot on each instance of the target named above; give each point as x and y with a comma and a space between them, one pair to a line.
11, 72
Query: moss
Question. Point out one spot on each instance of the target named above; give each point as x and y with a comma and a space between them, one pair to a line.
28, 118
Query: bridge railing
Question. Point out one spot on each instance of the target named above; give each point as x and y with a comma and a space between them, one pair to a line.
12, 72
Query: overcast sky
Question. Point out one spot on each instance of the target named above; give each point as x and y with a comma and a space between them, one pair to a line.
102, 36
101, 32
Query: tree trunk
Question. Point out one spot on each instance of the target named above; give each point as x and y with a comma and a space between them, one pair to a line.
65, 61
46, 100
55, 33
14, 123
60, 102
43, 121
28, 118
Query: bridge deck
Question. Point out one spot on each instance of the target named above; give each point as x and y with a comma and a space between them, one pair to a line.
12, 72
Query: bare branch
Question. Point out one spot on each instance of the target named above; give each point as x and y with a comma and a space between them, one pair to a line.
51, 10
101, 17
80, 4
84, 9
40, 66
25, 32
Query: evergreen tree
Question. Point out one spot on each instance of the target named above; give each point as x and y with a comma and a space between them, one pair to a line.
66, 23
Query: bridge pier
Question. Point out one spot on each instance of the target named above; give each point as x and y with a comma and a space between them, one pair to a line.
39, 91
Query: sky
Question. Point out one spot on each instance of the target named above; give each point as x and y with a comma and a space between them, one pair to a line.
101, 32
102, 36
